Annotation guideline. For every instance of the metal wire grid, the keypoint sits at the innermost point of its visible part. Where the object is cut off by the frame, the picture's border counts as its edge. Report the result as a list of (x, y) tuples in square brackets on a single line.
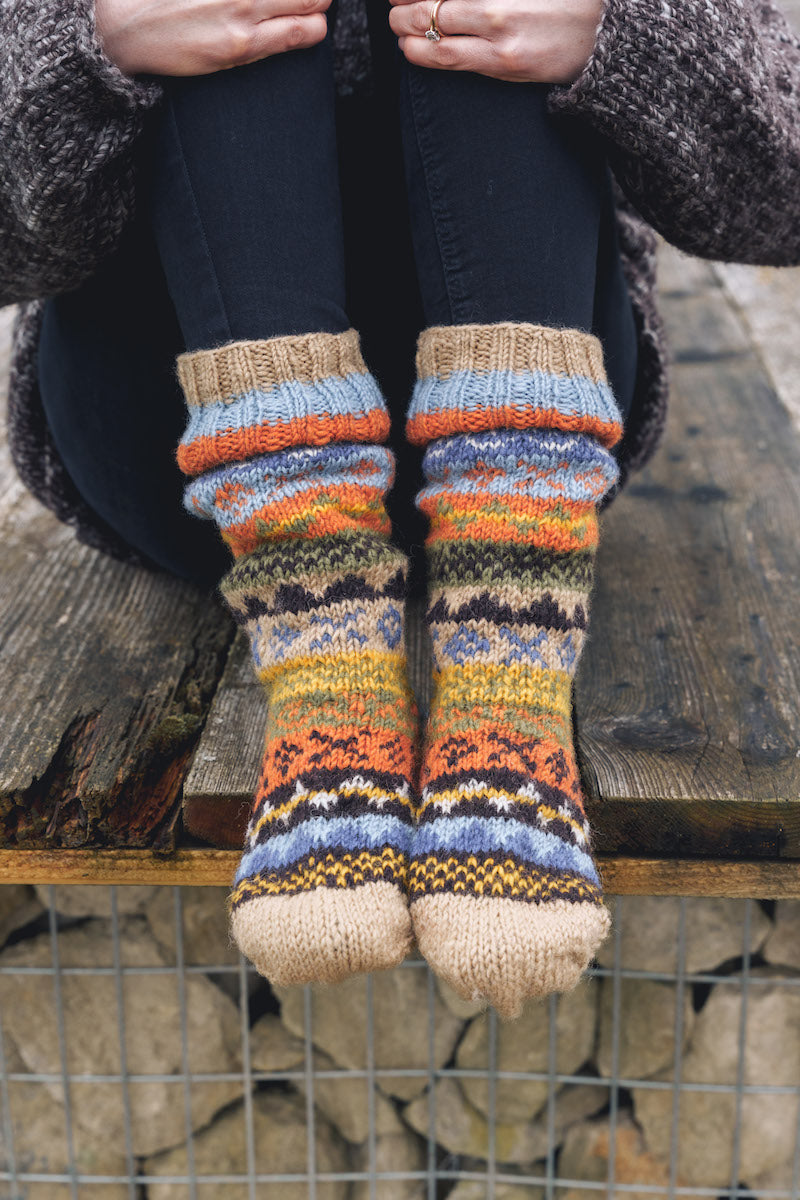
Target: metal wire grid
[(442, 1171)]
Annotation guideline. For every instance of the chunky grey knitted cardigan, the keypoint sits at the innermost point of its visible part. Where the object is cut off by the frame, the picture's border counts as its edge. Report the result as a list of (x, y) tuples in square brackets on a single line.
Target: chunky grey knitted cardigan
[(699, 101)]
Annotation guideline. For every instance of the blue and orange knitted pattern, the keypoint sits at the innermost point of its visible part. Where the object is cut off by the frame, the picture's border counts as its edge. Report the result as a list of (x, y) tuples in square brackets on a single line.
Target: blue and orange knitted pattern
[(519, 420), (281, 442)]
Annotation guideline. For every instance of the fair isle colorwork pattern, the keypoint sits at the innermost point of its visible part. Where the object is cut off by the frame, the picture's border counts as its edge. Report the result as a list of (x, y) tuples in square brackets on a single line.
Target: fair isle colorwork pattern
[(500, 785), (306, 492), (333, 806), (513, 534), (281, 443)]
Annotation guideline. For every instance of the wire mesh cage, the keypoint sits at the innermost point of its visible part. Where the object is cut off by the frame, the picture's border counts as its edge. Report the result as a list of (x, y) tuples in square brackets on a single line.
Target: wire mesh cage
[(140, 1057)]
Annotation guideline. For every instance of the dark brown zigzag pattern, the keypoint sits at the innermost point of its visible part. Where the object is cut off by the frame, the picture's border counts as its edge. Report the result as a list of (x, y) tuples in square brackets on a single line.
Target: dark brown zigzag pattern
[(355, 804), (544, 612), (521, 815), (342, 553), (506, 781), (295, 598), (324, 869)]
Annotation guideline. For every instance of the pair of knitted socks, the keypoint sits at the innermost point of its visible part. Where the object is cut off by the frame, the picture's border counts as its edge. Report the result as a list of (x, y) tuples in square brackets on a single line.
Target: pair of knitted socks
[(489, 864)]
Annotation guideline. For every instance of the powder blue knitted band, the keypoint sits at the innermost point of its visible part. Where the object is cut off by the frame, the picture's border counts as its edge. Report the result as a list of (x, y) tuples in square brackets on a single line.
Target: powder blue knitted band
[(574, 397), (541, 465), (236, 491), (356, 395)]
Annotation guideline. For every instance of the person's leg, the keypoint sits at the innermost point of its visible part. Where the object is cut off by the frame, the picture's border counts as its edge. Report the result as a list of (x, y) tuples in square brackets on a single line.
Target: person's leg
[(106, 372), (282, 449), (512, 213), (383, 298), (245, 201), (517, 266)]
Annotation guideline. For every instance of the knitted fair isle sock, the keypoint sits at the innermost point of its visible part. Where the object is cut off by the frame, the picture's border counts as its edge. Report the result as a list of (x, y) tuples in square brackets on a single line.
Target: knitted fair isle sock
[(281, 442), (505, 898)]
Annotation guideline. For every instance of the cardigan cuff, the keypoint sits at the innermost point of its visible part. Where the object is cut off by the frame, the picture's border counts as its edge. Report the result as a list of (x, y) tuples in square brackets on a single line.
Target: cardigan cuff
[(133, 92), (621, 62), (699, 106)]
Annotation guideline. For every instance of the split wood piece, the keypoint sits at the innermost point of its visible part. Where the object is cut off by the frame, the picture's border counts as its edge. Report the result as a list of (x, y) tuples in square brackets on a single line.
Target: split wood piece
[(106, 674), (215, 868), (219, 788)]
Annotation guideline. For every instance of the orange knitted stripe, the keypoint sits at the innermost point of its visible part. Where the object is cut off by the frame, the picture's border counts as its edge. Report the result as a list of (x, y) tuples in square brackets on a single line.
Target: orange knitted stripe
[(426, 426), (235, 445), (549, 534), (482, 745), (315, 513)]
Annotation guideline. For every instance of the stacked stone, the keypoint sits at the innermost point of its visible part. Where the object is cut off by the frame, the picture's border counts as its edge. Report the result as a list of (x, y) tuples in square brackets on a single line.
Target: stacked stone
[(592, 1042)]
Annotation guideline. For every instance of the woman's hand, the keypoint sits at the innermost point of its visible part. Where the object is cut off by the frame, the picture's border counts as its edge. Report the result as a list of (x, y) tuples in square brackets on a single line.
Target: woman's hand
[(522, 41), (196, 37)]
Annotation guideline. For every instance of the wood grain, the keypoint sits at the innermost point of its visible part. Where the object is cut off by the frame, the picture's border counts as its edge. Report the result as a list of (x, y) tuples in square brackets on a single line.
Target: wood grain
[(106, 674), (215, 868), (688, 698), (218, 792)]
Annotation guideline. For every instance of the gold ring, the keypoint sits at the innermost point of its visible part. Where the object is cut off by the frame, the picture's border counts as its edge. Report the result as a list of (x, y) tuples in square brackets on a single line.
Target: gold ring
[(433, 33)]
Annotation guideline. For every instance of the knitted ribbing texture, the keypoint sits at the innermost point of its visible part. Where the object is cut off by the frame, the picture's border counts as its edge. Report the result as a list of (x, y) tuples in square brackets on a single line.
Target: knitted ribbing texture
[(505, 896), (281, 442)]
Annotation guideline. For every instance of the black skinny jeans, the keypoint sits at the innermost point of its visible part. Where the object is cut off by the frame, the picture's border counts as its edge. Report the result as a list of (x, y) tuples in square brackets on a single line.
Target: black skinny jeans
[(273, 214)]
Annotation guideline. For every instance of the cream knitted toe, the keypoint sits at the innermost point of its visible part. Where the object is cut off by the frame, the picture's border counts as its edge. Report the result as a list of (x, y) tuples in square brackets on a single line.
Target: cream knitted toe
[(326, 935), (506, 952)]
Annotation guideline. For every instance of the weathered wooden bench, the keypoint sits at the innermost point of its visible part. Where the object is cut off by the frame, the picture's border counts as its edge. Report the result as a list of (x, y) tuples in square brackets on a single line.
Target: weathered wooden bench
[(131, 726)]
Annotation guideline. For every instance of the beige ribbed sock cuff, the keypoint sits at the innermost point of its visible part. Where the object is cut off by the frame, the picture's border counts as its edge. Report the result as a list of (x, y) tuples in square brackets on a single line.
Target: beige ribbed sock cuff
[(231, 371), (444, 350)]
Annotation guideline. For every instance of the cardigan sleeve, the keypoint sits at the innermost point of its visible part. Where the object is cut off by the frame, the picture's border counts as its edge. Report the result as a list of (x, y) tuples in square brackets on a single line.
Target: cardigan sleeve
[(69, 119), (699, 101)]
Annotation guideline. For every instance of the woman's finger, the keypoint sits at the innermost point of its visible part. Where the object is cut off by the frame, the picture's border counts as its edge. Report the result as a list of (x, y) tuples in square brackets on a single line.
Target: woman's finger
[(523, 41), (455, 54), (289, 8), (279, 34), (455, 17)]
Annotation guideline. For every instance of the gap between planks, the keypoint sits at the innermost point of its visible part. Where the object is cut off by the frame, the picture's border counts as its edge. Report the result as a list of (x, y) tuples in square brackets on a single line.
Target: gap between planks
[(764, 880)]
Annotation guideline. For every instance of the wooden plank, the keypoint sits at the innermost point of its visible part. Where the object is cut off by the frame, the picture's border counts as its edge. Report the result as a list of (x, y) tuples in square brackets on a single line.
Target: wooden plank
[(688, 698), (106, 674), (218, 792), (195, 868), (682, 275), (739, 880), (767, 299), (215, 868)]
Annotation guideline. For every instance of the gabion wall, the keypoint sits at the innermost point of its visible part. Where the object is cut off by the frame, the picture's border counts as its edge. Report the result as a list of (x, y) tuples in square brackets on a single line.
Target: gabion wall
[(143, 1060)]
